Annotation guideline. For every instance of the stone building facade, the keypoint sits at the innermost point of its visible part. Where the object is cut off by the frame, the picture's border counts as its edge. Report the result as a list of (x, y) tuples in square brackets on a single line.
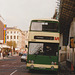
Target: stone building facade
[(14, 34)]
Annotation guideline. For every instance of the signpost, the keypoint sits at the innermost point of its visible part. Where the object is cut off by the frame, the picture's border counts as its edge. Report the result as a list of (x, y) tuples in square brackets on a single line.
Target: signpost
[(12, 51), (72, 45)]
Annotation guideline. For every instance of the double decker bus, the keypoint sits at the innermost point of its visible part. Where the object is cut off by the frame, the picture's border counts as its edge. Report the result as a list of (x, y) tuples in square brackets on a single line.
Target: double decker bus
[(43, 45)]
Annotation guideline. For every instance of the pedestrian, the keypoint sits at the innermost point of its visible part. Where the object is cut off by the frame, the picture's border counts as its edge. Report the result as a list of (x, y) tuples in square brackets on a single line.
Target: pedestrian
[(3, 55), (8, 54)]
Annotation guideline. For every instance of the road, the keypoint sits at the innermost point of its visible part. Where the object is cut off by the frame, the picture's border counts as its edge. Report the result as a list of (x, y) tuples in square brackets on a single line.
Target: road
[(14, 66)]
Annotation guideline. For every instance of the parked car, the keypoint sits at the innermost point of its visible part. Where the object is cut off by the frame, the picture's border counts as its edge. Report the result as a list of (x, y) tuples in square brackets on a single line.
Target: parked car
[(20, 54), (24, 58)]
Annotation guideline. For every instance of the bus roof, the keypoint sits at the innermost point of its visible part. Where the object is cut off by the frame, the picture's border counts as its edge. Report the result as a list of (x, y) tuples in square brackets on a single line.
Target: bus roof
[(45, 20)]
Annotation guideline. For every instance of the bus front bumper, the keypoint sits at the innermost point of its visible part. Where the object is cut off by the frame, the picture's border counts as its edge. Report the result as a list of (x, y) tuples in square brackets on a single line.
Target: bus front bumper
[(42, 67)]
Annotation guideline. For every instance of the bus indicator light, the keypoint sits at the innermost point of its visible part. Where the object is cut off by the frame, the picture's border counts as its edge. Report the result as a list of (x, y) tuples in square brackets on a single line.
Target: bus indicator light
[(55, 63), (29, 61)]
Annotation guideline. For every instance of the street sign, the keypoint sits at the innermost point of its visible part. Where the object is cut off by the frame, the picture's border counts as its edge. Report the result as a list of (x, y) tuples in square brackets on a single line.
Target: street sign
[(71, 42), (1, 41)]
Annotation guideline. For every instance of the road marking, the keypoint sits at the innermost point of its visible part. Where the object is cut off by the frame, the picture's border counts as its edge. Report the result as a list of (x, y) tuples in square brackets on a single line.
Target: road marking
[(13, 72)]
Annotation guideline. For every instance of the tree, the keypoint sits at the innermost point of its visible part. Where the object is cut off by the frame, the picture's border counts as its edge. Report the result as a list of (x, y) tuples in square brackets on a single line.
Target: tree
[(12, 43)]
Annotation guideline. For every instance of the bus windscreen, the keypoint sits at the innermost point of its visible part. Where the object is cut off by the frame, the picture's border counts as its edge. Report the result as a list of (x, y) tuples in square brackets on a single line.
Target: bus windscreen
[(44, 26), (48, 49)]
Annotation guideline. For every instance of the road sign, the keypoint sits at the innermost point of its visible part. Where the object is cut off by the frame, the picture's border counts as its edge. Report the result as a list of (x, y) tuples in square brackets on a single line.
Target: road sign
[(71, 42)]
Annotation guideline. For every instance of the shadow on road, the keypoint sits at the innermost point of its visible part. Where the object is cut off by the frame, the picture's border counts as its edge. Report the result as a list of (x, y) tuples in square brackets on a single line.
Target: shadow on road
[(42, 72)]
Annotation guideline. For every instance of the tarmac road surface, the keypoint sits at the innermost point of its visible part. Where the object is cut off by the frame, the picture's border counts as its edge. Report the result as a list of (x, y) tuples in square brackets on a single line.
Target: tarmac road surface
[(14, 66)]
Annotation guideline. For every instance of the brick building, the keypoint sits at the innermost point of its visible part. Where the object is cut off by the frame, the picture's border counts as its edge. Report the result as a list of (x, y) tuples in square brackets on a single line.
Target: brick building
[(1, 30)]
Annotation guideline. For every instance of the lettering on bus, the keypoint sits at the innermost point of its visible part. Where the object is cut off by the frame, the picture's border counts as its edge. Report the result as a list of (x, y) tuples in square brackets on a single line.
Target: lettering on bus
[(56, 38), (44, 37)]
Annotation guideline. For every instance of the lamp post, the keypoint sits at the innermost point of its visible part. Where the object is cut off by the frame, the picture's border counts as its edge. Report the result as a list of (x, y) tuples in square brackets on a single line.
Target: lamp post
[(12, 51), (1, 51)]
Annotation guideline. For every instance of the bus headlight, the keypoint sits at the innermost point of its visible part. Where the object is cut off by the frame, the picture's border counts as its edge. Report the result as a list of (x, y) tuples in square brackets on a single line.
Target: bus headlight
[(29, 61), (32, 62), (52, 63)]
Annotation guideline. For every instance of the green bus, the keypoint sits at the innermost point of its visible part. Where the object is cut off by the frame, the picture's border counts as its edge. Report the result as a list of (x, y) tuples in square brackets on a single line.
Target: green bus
[(43, 45)]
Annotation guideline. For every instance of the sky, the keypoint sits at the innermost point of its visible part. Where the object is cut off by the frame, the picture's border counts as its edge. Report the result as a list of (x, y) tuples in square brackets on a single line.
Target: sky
[(19, 13)]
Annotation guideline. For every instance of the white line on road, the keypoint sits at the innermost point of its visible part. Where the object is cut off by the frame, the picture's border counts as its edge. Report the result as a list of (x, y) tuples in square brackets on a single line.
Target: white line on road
[(13, 72)]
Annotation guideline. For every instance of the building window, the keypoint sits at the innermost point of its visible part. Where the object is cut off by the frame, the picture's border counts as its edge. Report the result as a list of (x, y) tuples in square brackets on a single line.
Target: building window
[(7, 32), (14, 31), (17, 37), (10, 37), (11, 32), (14, 37), (7, 37)]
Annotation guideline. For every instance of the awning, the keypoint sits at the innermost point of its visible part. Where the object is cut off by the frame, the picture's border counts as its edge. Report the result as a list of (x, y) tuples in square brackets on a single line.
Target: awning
[(4, 46)]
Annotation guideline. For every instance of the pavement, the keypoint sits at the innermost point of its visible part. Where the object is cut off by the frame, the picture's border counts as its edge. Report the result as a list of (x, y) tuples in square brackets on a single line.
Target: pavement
[(8, 57), (65, 68)]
